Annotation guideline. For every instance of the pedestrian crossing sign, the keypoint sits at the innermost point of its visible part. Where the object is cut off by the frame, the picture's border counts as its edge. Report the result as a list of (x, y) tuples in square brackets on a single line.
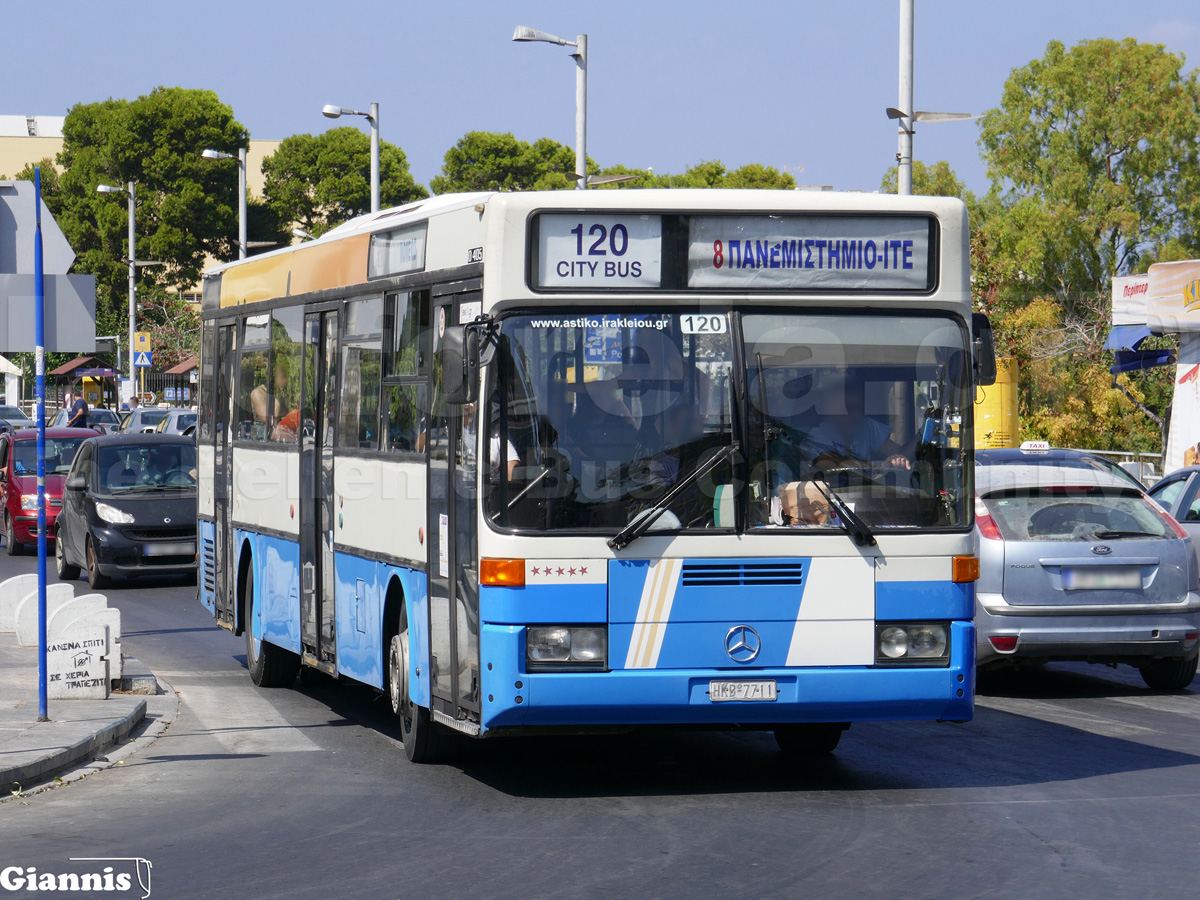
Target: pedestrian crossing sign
[(142, 360)]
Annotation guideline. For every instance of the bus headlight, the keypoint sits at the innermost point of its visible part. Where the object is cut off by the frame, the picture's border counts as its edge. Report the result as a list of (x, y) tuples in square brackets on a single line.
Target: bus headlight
[(566, 647), (912, 644)]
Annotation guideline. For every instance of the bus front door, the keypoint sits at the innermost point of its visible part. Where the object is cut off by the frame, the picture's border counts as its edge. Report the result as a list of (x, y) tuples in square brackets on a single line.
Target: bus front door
[(223, 417), (318, 636), (453, 546)]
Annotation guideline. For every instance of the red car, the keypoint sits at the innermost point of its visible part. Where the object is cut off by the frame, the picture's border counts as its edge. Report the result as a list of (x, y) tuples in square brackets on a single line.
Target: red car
[(18, 481)]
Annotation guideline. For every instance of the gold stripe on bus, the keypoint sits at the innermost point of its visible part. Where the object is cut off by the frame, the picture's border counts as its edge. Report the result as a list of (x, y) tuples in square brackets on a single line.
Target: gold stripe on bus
[(309, 267)]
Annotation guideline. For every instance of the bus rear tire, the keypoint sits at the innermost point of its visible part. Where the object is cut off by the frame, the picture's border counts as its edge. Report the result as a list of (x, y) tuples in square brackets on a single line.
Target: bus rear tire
[(810, 740), (269, 665), (424, 740)]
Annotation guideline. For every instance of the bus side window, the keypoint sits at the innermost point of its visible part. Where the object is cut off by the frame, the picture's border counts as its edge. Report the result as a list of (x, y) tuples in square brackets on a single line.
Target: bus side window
[(362, 363), (404, 425)]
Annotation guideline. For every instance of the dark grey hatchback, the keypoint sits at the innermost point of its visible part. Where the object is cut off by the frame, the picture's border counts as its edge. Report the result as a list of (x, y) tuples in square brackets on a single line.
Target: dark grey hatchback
[(129, 508)]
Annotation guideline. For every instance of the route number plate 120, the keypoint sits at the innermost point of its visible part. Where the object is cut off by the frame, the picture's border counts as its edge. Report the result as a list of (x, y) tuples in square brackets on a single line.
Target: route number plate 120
[(724, 691)]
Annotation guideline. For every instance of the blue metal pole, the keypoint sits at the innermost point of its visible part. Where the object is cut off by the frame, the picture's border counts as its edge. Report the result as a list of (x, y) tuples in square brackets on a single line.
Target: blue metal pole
[(39, 290)]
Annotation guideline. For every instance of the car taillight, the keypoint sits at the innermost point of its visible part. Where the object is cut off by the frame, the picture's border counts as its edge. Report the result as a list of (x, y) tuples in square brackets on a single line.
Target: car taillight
[(987, 525), (1004, 643), (1170, 520)]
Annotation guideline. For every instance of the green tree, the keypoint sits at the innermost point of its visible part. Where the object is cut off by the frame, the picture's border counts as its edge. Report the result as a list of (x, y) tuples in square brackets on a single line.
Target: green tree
[(938, 180), (320, 181), (186, 206), (491, 161), (1094, 150), (707, 174)]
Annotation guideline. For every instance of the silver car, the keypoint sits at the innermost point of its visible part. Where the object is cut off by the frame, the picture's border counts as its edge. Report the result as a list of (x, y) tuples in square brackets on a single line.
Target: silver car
[(1079, 564)]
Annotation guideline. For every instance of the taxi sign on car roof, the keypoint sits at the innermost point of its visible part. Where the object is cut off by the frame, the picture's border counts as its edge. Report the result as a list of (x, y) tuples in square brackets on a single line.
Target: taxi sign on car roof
[(1035, 446)]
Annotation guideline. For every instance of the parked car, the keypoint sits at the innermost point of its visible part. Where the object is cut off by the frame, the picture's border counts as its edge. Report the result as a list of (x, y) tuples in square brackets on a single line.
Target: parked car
[(99, 419), (18, 481), (129, 508), (13, 418), (177, 421), (142, 420), (1179, 494), (1077, 563)]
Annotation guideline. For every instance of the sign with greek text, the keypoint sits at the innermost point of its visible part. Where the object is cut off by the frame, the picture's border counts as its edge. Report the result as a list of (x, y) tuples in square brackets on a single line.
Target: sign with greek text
[(590, 251), (859, 253)]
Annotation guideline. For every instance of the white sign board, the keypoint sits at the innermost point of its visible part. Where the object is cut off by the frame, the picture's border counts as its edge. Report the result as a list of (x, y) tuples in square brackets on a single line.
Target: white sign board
[(863, 253), (1129, 294), (398, 251), (1173, 297), (591, 251)]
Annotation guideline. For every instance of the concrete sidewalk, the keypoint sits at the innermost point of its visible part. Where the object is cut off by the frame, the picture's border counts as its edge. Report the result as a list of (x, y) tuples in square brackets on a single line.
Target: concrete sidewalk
[(31, 751)]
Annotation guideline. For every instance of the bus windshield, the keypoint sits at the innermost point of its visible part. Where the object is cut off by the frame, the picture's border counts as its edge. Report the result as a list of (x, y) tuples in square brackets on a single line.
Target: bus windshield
[(597, 418)]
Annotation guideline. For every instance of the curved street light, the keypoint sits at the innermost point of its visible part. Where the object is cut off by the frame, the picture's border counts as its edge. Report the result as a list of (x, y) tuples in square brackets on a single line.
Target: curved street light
[(331, 111)]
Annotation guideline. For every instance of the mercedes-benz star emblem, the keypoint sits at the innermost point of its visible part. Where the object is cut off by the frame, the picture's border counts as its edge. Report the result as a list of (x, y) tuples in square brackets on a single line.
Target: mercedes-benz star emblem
[(1102, 549), (742, 643)]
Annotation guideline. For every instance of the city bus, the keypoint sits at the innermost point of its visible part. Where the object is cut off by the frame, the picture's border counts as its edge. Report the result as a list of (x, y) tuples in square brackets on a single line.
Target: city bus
[(572, 462)]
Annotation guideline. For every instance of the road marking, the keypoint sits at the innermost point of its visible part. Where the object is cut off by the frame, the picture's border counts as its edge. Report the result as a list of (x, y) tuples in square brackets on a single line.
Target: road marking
[(1060, 715), (243, 721), (1188, 706)]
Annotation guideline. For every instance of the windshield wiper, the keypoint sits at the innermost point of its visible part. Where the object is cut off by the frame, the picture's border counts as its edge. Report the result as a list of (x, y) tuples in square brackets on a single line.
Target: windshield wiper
[(641, 524), (855, 527), (1108, 534)]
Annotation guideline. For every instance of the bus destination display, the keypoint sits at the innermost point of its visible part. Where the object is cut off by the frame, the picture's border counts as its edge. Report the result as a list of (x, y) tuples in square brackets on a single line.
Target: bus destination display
[(583, 250), (809, 253)]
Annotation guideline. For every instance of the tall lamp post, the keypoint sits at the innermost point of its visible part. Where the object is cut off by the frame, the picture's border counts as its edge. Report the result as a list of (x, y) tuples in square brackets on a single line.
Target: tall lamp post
[(132, 192), (336, 112), (241, 163), (580, 43)]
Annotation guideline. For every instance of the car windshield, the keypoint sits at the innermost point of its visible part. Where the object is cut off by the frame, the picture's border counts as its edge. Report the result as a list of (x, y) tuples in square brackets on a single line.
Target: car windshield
[(126, 468), (13, 412), (60, 453), (1074, 514), (102, 417), (596, 418)]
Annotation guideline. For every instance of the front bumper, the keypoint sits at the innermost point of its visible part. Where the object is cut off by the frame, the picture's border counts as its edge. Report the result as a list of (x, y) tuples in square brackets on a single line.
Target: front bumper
[(26, 526), (119, 554), (1111, 635), (515, 698)]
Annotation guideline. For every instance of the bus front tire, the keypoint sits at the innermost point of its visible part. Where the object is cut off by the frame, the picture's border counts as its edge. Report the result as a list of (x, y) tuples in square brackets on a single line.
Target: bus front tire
[(810, 740), (424, 740), (269, 665)]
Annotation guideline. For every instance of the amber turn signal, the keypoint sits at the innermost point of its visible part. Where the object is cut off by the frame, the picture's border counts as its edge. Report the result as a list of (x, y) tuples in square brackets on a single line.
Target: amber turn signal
[(502, 572), (965, 569)]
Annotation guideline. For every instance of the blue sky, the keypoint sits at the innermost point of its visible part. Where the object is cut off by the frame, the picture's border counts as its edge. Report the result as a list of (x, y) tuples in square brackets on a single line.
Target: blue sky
[(801, 85)]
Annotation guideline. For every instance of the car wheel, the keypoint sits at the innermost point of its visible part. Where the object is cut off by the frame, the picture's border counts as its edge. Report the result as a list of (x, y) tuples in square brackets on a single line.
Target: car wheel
[(269, 665), (817, 739), (96, 580), (10, 537), (66, 571), (425, 741), (1170, 674)]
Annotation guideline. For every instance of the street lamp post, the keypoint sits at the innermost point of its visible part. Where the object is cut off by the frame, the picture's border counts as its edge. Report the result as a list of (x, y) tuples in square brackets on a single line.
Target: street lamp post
[(131, 190), (241, 162), (523, 33), (335, 112)]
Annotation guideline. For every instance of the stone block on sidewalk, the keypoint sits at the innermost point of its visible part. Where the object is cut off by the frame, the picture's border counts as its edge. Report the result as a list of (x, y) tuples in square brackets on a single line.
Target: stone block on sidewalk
[(76, 665), (12, 592), (27, 610)]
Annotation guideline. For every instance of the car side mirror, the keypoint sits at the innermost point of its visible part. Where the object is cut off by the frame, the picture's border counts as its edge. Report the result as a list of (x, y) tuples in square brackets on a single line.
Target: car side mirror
[(460, 364), (76, 483), (983, 349)]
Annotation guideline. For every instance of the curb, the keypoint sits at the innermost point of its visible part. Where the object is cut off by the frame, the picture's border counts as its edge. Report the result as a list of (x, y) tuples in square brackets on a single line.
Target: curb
[(44, 768)]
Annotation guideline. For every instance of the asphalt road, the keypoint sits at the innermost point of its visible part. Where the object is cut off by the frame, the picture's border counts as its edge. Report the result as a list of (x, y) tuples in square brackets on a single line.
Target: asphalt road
[(1072, 781)]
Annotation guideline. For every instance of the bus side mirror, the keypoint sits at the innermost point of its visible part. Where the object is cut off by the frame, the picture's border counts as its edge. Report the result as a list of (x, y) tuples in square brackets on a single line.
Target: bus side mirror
[(983, 349), (460, 364)]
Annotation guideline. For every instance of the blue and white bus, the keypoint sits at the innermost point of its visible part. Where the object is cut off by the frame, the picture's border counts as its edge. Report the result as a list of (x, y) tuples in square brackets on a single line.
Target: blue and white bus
[(547, 461)]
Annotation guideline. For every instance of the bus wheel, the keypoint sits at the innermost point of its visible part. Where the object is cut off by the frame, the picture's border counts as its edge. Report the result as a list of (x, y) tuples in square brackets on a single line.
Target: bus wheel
[(424, 739), (269, 666), (819, 739)]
